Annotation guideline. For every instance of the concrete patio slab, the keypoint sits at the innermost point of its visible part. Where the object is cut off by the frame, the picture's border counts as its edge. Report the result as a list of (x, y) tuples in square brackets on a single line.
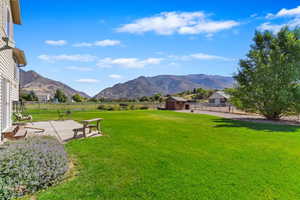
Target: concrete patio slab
[(62, 130)]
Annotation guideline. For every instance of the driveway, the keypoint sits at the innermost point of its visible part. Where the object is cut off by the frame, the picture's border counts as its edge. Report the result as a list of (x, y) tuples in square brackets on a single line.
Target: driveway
[(249, 117)]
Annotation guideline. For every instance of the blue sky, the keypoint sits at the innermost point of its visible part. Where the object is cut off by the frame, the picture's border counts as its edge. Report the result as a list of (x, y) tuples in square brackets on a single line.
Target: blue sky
[(94, 44)]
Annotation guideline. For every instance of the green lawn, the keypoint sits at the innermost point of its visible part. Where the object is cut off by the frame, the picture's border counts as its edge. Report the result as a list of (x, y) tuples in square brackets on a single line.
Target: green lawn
[(167, 155)]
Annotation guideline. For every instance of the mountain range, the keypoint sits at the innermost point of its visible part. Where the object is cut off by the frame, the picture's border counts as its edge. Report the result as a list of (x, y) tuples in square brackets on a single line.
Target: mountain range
[(32, 81), (136, 88), (164, 84)]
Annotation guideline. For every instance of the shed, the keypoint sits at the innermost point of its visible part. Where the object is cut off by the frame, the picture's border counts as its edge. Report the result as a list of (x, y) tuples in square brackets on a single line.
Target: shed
[(176, 103), (218, 98)]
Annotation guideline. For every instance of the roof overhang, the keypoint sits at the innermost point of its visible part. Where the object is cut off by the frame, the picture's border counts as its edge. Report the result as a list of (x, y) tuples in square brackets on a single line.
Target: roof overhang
[(20, 57), (178, 99), (16, 11)]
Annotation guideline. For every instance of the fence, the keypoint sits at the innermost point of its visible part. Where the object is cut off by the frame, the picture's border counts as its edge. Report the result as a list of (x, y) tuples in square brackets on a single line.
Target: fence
[(208, 107), (86, 105)]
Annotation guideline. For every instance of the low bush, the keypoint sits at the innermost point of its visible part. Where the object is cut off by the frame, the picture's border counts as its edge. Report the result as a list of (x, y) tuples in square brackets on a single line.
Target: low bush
[(31, 164), (144, 107), (101, 107), (132, 107), (110, 108)]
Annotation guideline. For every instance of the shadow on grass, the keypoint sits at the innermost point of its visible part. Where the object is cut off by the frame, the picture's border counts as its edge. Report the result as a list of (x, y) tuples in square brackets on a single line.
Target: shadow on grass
[(259, 126)]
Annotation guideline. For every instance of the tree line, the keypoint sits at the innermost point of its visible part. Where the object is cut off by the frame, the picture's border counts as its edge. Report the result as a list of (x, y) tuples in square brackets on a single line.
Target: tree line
[(59, 96)]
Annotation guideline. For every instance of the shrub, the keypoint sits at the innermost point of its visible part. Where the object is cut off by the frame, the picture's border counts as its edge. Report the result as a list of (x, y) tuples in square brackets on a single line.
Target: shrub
[(132, 107), (31, 164), (111, 108), (101, 107), (144, 107)]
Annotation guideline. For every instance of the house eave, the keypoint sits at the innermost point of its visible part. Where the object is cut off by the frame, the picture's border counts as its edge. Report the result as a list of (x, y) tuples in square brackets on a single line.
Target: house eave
[(20, 57), (16, 11)]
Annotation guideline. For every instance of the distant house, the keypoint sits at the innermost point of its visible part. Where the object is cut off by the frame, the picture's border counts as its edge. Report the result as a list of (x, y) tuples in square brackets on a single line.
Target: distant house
[(43, 97), (218, 98), (11, 59), (176, 103)]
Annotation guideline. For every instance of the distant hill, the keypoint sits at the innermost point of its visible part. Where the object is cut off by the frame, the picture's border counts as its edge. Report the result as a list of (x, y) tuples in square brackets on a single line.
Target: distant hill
[(164, 84), (32, 81)]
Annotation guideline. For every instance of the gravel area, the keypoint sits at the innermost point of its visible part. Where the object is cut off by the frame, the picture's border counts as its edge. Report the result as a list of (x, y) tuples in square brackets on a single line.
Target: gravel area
[(293, 120)]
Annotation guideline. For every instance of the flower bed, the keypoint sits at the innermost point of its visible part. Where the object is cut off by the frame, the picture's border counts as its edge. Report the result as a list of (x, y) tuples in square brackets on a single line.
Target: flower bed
[(29, 165)]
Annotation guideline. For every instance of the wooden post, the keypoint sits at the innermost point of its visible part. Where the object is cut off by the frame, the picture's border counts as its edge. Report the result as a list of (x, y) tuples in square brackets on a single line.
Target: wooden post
[(98, 127), (84, 127)]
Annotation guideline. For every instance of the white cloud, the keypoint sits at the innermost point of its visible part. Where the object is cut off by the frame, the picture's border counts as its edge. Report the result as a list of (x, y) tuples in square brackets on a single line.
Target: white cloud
[(285, 13), (200, 56), (276, 27), (174, 64), (115, 76), (101, 43), (82, 69), (254, 15), (56, 42), (270, 27), (293, 22), (207, 27), (128, 62), (83, 44), (105, 43), (87, 80), (270, 16), (167, 23), (68, 57)]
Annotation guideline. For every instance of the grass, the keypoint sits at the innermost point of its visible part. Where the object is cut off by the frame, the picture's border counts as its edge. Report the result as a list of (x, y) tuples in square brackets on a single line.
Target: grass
[(167, 155)]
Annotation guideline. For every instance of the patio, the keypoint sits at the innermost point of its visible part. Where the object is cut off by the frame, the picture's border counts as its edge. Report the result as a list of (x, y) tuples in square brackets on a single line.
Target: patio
[(62, 130)]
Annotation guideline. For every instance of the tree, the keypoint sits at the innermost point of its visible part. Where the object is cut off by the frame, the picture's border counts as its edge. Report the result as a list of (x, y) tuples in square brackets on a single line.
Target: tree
[(157, 97), (200, 93), (60, 96), (31, 96), (267, 81), (144, 98), (77, 98), (95, 100)]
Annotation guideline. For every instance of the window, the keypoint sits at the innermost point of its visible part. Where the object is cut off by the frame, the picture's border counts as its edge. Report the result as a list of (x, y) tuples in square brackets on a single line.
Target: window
[(223, 100)]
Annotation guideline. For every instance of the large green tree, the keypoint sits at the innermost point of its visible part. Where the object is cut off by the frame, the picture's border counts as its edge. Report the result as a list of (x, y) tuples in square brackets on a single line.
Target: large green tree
[(77, 98), (268, 78), (31, 96), (60, 96)]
